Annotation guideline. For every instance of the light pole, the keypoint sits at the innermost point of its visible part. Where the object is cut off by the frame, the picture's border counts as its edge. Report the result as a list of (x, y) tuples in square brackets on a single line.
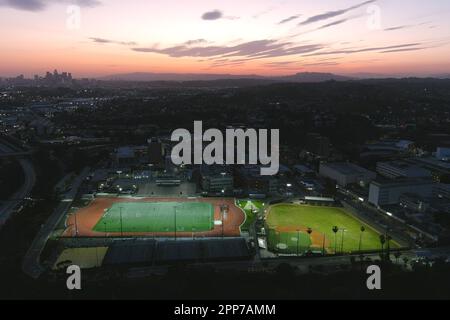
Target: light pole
[(323, 245), (335, 230), (121, 222), (76, 225), (175, 221), (342, 240), (278, 239), (309, 230), (382, 241), (388, 247), (106, 235), (222, 210), (360, 238)]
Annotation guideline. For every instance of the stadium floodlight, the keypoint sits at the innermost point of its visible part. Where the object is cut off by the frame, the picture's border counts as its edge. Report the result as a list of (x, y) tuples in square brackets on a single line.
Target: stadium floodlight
[(342, 240), (289, 185)]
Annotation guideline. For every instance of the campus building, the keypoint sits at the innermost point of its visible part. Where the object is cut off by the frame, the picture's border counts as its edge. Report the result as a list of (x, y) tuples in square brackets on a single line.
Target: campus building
[(414, 202), (345, 173), (249, 177), (125, 156), (216, 179), (155, 152), (401, 169), (443, 154), (389, 193)]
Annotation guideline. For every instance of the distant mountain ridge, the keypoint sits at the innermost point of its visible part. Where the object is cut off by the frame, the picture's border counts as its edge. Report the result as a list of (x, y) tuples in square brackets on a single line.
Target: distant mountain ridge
[(181, 77)]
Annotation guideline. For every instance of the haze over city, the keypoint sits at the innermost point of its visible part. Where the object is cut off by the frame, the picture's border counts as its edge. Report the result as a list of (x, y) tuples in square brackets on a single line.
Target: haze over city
[(233, 37)]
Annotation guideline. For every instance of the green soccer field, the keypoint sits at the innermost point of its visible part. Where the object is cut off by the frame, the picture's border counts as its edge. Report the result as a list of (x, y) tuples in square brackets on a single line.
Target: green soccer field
[(157, 217), (283, 219)]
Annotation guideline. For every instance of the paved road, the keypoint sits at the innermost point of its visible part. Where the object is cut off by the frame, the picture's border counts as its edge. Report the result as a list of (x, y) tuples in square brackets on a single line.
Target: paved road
[(329, 264), (31, 263), (15, 154), (7, 209)]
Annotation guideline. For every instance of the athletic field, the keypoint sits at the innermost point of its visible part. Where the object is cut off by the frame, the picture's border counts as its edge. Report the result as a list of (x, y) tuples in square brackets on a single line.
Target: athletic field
[(288, 226), (157, 217)]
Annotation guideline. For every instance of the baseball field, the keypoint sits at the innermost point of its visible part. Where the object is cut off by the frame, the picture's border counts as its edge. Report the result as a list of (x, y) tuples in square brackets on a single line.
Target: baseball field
[(296, 229)]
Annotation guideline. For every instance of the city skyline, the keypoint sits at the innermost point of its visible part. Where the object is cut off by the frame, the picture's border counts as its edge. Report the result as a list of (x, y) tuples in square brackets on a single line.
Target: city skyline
[(97, 38)]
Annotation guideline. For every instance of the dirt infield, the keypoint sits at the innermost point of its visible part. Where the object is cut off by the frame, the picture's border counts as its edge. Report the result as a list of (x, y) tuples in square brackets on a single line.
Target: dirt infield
[(86, 218), (317, 238)]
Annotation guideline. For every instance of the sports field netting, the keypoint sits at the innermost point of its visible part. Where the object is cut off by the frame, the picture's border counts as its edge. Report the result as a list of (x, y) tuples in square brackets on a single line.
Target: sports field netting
[(289, 242), (157, 217)]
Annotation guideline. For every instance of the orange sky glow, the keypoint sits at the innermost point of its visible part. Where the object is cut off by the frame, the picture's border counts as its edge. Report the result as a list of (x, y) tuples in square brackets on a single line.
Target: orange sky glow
[(268, 37)]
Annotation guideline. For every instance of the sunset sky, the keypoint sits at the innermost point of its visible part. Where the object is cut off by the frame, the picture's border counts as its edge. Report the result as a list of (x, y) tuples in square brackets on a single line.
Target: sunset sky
[(266, 37)]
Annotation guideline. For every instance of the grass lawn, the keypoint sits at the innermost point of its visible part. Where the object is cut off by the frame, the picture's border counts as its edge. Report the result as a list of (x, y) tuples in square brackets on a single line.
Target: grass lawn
[(248, 206), (157, 217), (290, 217)]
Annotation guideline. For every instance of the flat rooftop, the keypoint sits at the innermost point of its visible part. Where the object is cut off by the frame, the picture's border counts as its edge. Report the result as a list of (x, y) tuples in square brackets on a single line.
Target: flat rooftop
[(347, 168)]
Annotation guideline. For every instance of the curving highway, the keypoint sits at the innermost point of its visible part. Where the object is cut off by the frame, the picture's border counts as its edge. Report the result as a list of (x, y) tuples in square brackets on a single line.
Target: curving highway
[(7, 208), (31, 262)]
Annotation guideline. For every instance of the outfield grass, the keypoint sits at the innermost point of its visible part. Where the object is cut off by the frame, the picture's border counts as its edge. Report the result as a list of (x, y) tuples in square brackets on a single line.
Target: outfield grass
[(247, 206), (157, 217), (321, 220)]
